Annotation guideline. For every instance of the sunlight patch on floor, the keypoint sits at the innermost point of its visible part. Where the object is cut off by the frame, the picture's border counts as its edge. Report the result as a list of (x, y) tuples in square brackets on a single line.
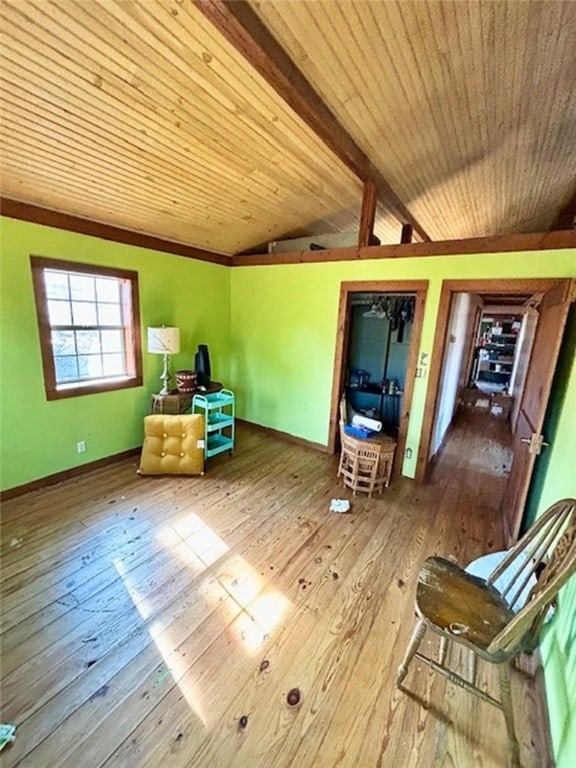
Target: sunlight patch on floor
[(176, 665), (257, 621), (193, 541), (249, 607), (260, 609), (141, 603)]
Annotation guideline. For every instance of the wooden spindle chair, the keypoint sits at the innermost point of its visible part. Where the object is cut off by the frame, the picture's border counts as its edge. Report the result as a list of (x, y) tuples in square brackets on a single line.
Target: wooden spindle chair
[(483, 614)]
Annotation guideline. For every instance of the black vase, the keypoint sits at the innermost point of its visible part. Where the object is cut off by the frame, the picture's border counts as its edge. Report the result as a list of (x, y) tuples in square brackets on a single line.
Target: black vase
[(202, 365)]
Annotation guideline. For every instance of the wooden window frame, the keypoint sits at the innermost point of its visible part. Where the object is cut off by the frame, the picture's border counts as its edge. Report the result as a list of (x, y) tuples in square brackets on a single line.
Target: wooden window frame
[(132, 334)]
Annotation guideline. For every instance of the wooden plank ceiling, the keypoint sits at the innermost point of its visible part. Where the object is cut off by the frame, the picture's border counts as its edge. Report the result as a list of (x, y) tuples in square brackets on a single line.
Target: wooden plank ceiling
[(143, 116)]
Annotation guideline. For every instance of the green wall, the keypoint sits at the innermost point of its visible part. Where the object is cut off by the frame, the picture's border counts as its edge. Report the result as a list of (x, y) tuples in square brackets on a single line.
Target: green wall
[(284, 322), (559, 481), (38, 438)]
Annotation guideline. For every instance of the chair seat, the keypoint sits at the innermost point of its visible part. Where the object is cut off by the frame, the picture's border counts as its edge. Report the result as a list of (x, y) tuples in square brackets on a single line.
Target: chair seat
[(460, 604)]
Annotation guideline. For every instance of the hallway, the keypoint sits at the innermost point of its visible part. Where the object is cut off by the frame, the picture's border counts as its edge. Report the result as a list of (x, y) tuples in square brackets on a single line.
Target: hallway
[(478, 444)]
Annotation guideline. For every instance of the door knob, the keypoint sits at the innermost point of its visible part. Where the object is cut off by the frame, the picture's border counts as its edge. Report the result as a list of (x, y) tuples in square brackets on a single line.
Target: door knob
[(535, 442)]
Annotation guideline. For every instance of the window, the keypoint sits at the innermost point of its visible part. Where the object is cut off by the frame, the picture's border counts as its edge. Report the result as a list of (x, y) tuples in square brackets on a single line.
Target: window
[(89, 326)]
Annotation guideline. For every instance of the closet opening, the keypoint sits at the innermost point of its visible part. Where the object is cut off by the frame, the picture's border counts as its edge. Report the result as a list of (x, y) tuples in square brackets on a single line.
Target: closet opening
[(379, 330), (378, 347)]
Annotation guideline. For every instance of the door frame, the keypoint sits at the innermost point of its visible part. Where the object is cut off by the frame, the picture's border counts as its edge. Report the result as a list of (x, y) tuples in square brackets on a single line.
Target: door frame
[(417, 287), (449, 288)]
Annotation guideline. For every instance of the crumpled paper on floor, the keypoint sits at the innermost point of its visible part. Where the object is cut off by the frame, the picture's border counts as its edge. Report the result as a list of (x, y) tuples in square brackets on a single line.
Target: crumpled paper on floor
[(340, 506)]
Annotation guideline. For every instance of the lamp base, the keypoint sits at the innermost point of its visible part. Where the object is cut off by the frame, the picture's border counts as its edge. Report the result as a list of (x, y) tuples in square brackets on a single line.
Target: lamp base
[(165, 377)]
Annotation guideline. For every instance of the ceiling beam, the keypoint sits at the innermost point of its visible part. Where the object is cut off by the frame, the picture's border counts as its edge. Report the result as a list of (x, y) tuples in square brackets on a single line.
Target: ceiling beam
[(532, 241), (368, 213), (15, 209), (241, 26), (406, 234), (567, 217)]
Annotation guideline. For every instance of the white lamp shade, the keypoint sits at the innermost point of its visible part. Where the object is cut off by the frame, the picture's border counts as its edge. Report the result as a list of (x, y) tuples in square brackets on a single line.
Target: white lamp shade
[(164, 341)]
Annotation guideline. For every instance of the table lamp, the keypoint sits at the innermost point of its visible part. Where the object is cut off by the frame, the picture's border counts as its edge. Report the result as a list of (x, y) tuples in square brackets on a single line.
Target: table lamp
[(164, 341)]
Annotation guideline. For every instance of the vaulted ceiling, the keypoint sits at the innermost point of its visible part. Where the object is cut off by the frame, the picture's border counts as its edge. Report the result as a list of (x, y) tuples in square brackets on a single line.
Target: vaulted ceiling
[(165, 116)]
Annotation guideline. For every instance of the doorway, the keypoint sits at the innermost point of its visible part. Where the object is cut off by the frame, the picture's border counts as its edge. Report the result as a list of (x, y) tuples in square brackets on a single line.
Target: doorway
[(533, 370), (378, 347), (485, 361), (393, 359)]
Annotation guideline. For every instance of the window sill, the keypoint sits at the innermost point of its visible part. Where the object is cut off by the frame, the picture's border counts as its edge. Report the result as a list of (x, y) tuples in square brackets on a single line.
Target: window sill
[(93, 387)]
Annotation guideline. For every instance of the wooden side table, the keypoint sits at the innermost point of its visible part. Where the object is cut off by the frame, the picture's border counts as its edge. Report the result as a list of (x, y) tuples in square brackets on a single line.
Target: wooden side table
[(180, 402), (366, 463), (174, 403)]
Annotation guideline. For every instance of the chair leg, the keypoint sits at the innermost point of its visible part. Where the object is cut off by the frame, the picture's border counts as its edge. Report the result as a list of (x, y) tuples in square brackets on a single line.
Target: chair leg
[(413, 645), (506, 698), (443, 649), (472, 666)]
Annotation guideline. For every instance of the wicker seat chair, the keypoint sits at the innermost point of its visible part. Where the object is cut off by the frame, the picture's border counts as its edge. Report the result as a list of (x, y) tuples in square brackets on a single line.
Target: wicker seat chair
[(483, 614)]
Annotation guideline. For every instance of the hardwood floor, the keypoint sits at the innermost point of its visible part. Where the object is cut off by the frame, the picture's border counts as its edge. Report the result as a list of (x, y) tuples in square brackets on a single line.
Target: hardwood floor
[(232, 620)]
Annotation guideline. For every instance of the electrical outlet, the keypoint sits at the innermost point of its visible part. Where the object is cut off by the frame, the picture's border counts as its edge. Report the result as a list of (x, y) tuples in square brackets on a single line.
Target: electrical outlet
[(81, 446)]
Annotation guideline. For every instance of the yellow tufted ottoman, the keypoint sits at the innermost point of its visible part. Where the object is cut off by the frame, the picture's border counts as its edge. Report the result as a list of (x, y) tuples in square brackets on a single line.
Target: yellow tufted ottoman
[(173, 445)]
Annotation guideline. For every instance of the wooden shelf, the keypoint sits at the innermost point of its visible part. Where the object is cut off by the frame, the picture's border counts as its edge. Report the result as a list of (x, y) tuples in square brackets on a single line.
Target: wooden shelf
[(495, 352)]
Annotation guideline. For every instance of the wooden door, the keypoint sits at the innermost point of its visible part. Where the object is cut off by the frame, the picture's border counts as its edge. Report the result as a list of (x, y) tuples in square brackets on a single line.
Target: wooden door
[(534, 399), (472, 343)]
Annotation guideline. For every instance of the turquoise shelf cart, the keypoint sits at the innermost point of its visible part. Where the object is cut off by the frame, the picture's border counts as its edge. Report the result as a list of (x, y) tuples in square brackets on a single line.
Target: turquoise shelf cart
[(219, 412)]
